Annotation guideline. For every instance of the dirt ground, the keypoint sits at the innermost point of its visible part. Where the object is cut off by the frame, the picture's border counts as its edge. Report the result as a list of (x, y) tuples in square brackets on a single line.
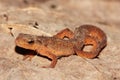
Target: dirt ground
[(47, 17)]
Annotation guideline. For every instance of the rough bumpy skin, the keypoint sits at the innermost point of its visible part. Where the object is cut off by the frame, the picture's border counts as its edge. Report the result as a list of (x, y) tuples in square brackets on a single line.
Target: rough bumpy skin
[(56, 46)]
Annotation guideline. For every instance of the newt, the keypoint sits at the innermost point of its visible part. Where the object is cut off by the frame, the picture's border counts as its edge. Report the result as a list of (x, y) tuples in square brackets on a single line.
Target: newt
[(57, 46)]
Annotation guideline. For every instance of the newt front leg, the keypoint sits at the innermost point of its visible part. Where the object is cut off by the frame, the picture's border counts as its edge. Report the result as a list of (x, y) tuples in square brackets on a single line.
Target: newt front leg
[(45, 52), (30, 56)]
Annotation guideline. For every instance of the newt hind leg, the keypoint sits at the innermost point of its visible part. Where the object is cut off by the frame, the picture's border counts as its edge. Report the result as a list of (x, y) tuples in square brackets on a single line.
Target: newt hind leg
[(44, 51), (64, 33)]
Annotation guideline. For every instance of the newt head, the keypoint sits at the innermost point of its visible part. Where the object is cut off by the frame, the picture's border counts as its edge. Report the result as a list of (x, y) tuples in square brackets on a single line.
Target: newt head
[(25, 40)]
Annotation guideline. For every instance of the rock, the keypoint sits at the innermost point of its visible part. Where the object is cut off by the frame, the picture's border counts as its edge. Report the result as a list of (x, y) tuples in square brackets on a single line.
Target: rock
[(47, 17)]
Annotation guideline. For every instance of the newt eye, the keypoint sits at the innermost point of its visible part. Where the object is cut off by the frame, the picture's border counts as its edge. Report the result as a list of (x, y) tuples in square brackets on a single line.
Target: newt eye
[(31, 41)]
